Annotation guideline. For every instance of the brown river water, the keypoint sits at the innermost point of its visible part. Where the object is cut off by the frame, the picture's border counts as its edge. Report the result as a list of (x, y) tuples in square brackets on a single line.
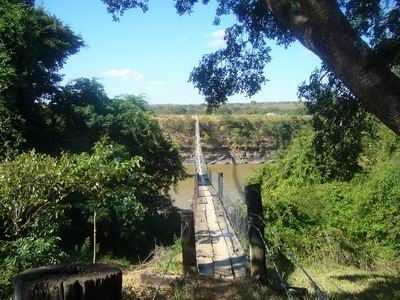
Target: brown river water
[(235, 177)]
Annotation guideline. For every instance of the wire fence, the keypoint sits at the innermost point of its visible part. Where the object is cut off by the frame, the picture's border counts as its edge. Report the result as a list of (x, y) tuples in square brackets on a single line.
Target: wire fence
[(236, 212), (318, 289)]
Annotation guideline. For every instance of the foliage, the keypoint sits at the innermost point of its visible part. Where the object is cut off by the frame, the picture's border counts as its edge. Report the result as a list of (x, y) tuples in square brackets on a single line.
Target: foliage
[(38, 196), (11, 138), (67, 150), (84, 113), (134, 128), (352, 222), (109, 177), (30, 79), (339, 124), (32, 188), (297, 164), (239, 68), (25, 253), (35, 72)]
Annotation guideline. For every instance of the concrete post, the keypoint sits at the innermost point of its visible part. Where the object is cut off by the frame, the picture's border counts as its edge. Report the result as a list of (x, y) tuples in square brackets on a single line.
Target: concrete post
[(258, 269), (188, 243), (220, 185)]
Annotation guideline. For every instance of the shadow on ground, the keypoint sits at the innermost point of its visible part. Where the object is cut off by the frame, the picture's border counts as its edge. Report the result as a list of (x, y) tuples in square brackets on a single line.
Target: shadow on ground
[(206, 289), (380, 287)]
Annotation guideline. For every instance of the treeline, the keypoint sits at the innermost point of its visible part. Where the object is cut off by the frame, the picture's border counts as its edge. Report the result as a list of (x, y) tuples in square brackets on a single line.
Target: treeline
[(71, 157), (333, 196), (262, 108)]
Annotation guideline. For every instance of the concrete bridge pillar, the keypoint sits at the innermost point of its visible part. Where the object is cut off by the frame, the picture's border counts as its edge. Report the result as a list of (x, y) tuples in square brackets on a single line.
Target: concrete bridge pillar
[(258, 270), (188, 243), (220, 185)]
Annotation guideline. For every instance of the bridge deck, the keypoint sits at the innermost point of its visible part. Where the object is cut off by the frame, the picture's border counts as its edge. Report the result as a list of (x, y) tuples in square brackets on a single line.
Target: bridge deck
[(218, 250)]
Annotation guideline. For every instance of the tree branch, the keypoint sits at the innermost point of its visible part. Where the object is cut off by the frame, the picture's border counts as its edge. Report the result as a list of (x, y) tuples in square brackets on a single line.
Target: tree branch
[(321, 27)]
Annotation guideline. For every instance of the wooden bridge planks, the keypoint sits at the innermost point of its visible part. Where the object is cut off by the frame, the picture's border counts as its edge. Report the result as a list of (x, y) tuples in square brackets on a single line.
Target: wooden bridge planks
[(218, 250)]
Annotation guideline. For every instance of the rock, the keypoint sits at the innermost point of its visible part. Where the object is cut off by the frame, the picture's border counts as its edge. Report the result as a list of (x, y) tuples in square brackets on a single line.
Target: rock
[(69, 282)]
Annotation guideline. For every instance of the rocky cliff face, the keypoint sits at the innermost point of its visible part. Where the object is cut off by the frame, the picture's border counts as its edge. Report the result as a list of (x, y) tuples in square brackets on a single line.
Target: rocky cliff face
[(233, 138), (228, 155)]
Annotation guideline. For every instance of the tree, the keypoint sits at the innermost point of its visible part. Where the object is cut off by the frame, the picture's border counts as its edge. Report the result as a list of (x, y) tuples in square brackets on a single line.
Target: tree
[(358, 40), (82, 114), (339, 124), (138, 100), (30, 78), (104, 176), (32, 188), (11, 139)]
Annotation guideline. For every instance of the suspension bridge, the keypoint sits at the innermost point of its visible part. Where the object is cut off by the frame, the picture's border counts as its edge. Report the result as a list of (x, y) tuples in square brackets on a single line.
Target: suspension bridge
[(218, 250)]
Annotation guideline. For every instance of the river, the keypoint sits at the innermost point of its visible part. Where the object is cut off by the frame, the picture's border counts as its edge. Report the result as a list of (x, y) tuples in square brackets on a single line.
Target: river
[(235, 177)]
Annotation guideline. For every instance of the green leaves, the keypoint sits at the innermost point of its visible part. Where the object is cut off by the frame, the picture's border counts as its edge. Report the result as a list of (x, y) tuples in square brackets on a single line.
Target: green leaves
[(11, 138), (339, 125), (31, 187), (37, 193), (33, 48), (83, 114), (103, 175), (355, 221)]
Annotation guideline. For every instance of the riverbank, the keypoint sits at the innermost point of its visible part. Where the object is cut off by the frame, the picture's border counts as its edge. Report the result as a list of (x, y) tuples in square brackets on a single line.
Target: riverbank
[(230, 139), (216, 159)]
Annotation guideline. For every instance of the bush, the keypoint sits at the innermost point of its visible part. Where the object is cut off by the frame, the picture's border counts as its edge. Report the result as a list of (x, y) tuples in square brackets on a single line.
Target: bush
[(44, 199), (33, 189), (25, 253), (11, 139), (352, 221)]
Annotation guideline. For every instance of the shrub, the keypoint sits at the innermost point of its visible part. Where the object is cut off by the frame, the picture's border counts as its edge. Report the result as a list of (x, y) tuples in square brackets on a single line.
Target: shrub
[(33, 188), (355, 221)]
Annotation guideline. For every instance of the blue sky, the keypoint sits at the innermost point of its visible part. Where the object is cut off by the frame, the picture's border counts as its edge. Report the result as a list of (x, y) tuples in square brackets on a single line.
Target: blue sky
[(154, 53)]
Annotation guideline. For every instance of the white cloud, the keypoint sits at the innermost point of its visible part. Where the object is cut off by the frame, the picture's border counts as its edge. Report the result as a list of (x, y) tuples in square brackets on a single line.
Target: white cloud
[(123, 74), (217, 39)]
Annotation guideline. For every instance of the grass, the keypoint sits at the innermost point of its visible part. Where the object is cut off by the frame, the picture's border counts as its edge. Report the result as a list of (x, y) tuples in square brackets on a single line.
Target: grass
[(338, 281), (162, 261), (169, 260), (349, 282)]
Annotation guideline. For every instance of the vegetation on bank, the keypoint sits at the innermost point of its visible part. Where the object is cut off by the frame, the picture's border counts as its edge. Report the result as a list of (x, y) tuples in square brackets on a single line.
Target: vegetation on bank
[(233, 131), (334, 193), (351, 221)]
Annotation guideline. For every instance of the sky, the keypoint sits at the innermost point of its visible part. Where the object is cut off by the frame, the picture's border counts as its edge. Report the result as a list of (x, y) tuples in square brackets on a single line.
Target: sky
[(153, 53)]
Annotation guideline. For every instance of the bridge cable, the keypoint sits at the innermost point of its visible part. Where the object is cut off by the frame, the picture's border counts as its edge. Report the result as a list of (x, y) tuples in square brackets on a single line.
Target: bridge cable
[(321, 294), (281, 280)]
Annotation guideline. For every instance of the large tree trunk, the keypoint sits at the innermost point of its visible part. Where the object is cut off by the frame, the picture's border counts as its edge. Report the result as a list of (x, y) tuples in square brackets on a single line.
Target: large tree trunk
[(321, 27)]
